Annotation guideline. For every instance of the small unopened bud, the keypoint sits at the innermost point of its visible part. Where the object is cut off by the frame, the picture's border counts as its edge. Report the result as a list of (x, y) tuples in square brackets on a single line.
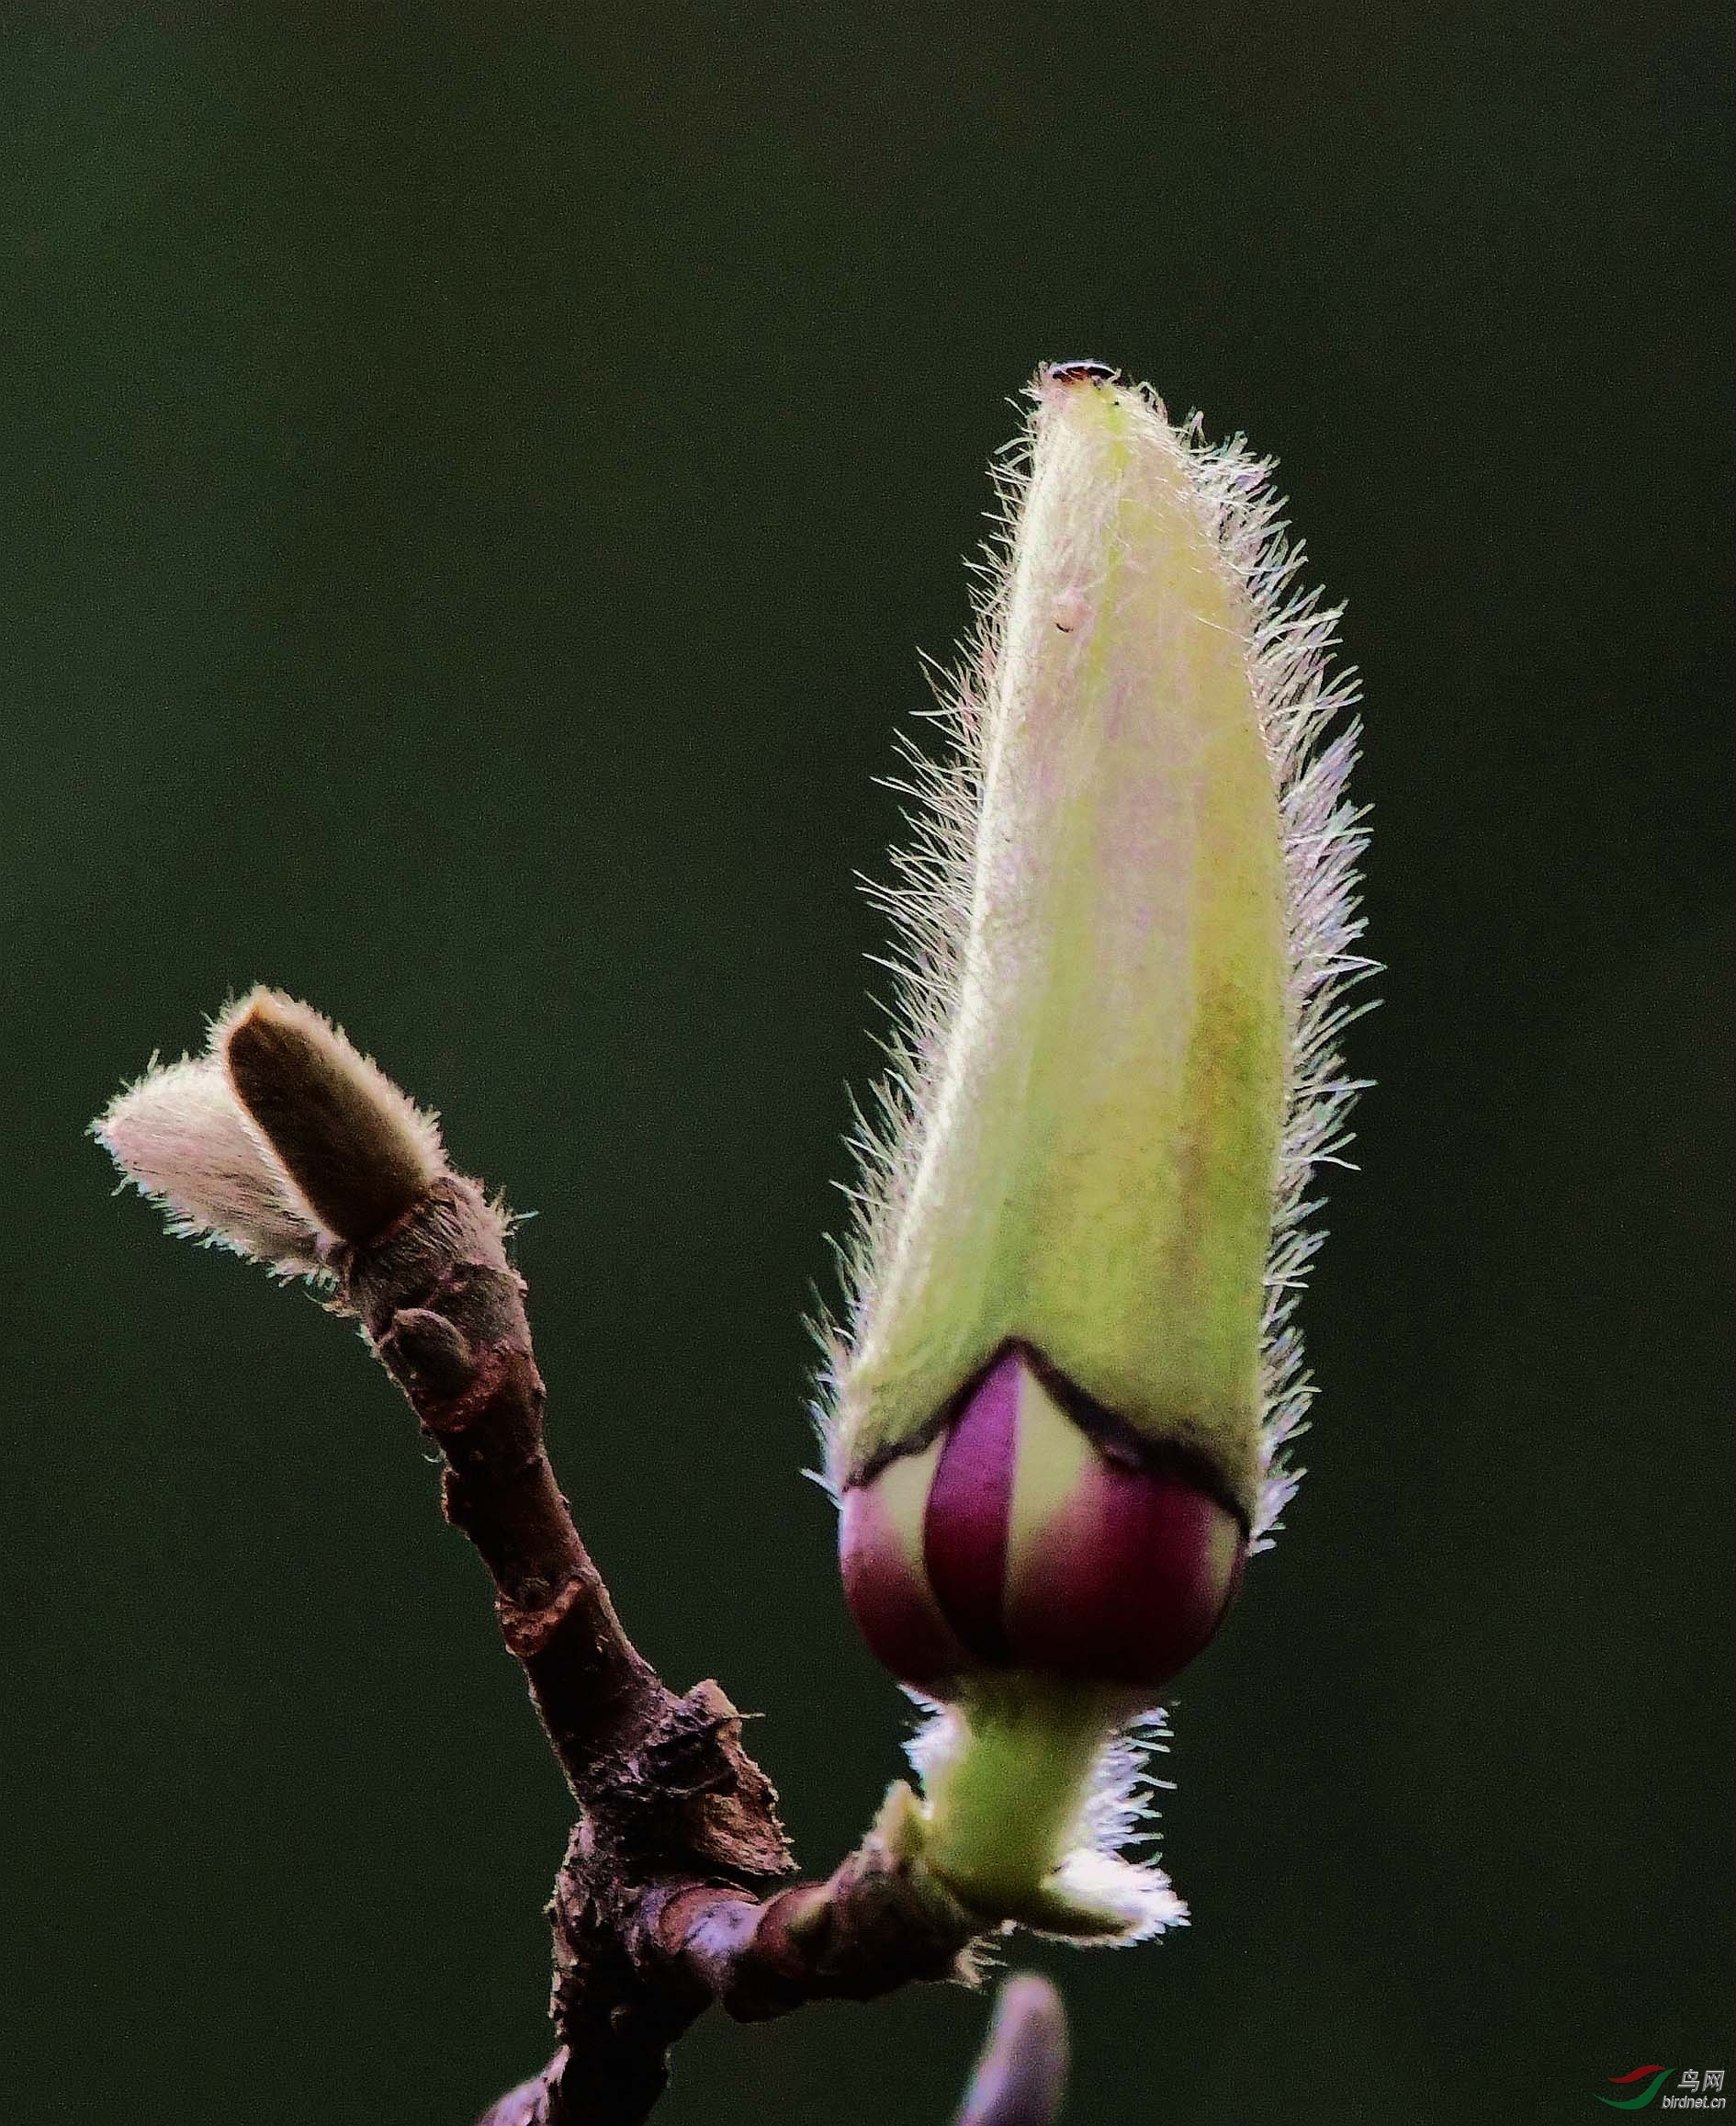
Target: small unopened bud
[(1021, 2076), (359, 1151), (280, 1142)]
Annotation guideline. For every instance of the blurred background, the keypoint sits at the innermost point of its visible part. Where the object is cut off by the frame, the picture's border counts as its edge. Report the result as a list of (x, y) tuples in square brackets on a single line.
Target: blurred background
[(476, 483)]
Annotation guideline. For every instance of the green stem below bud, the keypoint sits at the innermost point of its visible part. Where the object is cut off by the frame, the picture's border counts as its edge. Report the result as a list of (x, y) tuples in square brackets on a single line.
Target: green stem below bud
[(1003, 1813)]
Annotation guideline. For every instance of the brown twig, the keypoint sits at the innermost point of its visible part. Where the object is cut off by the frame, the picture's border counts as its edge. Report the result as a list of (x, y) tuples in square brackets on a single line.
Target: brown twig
[(673, 1895)]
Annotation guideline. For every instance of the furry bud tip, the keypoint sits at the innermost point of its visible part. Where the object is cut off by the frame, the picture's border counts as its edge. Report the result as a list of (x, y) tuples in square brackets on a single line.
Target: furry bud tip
[(282, 1141), (358, 1150), (180, 1136)]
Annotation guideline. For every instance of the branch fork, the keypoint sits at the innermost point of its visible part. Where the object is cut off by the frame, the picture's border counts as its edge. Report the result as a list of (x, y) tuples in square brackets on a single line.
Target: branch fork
[(675, 1892)]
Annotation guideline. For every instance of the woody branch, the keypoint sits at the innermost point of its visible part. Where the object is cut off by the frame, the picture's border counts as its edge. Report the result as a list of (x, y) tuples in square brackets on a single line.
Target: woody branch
[(675, 1894)]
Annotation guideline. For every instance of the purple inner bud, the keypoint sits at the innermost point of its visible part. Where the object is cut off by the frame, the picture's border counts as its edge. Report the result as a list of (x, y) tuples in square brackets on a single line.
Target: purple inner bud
[(1013, 1541), (970, 1505), (1128, 1580), (888, 1597)]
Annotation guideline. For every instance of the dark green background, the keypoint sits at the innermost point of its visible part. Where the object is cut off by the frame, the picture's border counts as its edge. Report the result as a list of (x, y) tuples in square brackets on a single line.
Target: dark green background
[(476, 478)]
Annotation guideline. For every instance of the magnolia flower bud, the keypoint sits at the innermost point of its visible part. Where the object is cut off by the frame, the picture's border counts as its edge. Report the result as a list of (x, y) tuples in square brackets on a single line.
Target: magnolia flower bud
[(358, 1150), (282, 1141), (1067, 1369)]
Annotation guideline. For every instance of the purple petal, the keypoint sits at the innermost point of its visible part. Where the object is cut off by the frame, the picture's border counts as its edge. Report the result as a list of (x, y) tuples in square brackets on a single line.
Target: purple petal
[(965, 1535), (1128, 1580), (892, 1604)]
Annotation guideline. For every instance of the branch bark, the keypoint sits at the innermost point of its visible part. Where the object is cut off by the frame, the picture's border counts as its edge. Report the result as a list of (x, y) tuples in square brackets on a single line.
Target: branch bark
[(674, 1895)]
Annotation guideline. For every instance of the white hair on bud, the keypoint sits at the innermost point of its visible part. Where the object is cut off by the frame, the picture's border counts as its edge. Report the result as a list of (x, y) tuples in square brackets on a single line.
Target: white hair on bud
[(1291, 637), (1289, 641), (1137, 1894), (181, 1137), (1118, 1812), (1299, 698)]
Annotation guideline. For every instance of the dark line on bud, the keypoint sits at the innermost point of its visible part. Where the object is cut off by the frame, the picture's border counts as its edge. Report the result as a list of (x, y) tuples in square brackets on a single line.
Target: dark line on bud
[(1080, 372), (1115, 1438)]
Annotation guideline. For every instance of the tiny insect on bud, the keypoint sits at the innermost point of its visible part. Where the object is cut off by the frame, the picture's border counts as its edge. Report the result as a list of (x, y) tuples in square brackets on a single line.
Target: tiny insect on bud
[(1081, 372)]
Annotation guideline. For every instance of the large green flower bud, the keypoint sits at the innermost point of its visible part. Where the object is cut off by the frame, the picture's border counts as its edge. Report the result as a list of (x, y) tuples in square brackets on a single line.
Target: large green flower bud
[(1048, 1432), (1096, 1177)]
